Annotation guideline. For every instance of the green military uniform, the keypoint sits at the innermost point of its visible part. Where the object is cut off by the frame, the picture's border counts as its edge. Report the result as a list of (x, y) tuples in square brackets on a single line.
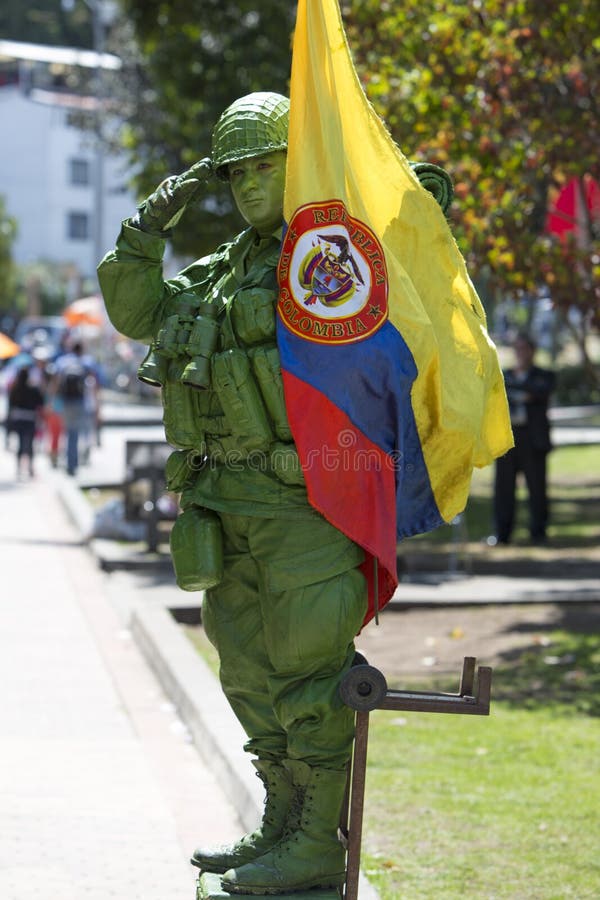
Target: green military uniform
[(291, 598)]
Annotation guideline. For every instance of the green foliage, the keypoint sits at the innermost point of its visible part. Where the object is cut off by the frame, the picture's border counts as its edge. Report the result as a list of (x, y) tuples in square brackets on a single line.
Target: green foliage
[(505, 95), (196, 58), (573, 388), (8, 232)]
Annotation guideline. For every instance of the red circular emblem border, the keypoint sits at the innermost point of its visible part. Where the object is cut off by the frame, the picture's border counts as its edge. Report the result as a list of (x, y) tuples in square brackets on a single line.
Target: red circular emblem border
[(342, 329)]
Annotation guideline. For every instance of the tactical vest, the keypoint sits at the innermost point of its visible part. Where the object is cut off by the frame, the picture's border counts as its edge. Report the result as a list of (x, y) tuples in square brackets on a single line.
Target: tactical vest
[(216, 360)]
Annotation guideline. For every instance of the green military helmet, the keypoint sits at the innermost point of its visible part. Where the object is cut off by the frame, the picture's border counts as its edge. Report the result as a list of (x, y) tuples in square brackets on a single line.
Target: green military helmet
[(253, 125)]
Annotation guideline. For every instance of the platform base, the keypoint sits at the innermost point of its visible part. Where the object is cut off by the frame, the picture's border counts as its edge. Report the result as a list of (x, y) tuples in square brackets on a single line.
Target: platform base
[(209, 888)]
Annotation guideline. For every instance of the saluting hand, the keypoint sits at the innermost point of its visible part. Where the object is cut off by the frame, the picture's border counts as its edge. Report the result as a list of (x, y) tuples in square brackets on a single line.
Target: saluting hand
[(163, 209)]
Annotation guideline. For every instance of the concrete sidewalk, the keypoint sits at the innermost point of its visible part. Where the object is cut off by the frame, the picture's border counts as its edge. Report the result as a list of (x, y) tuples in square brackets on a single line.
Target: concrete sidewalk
[(102, 793)]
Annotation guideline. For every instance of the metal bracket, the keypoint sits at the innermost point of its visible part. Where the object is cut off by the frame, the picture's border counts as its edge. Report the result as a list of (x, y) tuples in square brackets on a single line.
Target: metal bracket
[(364, 688)]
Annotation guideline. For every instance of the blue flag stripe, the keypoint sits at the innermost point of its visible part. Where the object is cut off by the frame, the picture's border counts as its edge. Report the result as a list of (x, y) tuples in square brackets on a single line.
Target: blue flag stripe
[(370, 381)]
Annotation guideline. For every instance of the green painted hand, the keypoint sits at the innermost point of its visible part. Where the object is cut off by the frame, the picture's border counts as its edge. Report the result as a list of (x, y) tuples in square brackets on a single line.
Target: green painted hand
[(162, 210)]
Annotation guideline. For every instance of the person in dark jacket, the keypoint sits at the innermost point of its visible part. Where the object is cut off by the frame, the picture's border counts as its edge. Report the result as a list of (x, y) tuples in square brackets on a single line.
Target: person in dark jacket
[(528, 388), (25, 402)]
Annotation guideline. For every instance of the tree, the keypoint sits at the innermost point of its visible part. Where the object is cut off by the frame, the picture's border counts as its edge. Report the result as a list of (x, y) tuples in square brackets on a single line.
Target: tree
[(184, 64), (42, 287), (8, 233), (505, 95)]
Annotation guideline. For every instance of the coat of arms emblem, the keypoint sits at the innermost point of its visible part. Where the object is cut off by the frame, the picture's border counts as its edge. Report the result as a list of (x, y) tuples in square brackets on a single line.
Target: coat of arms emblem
[(332, 275)]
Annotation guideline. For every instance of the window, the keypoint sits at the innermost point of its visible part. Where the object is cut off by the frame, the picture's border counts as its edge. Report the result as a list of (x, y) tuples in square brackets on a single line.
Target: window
[(79, 171), (78, 226)]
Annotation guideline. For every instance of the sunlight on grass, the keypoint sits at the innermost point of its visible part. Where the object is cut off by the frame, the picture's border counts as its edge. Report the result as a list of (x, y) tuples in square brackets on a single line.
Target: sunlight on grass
[(501, 808)]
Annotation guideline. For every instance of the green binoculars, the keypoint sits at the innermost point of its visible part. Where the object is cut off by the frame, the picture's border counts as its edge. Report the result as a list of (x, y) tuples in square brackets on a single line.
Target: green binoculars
[(191, 336), (153, 369)]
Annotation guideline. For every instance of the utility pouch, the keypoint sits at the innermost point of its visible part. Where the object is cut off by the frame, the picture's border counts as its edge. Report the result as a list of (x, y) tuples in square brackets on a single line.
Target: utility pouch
[(181, 414), (180, 468), (197, 549), (285, 462), (267, 370), (238, 393), (201, 345), (253, 315)]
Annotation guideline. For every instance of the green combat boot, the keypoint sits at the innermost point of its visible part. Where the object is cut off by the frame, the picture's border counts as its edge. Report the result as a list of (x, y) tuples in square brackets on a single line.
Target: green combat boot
[(309, 855), (279, 790)]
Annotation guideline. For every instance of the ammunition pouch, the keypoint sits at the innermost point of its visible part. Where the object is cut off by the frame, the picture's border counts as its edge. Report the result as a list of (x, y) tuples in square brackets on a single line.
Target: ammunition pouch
[(201, 344), (238, 394), (181, 410), (253, 315), (172, 338), (265, 365)]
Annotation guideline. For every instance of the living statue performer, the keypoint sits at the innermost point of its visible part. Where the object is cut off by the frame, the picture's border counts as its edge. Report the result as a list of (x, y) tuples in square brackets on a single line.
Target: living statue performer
[(284, 595)]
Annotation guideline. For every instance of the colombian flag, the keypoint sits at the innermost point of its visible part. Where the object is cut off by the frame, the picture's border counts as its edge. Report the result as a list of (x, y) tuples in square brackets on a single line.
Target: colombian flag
[(392, 385)]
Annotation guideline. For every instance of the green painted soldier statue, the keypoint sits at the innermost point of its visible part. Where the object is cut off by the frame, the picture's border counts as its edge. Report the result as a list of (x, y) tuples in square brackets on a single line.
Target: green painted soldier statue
[(284, 594)]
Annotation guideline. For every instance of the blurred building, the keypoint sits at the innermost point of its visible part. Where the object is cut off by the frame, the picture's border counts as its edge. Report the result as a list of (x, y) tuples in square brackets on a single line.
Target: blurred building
[(66, 193)]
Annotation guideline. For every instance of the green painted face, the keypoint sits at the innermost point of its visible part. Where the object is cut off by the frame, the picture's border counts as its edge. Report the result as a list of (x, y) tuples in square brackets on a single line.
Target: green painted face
[(257, 186)]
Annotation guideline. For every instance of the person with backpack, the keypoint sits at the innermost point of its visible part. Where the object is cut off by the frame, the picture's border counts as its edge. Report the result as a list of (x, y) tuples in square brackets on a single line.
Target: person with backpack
[(25, 402), (74, 374)]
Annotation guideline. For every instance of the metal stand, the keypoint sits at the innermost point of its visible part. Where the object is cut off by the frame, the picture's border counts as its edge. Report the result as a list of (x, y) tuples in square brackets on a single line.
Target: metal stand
[(364, 688)]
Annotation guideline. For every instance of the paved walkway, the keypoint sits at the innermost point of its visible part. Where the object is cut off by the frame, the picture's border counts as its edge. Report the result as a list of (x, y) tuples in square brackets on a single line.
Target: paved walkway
[(102, 795)]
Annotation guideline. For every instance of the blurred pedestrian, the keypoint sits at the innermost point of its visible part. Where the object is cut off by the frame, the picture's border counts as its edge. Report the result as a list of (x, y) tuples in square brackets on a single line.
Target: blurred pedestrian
[(53, 415), (25, 404), (90, 436), (528, 388), (74, 378)]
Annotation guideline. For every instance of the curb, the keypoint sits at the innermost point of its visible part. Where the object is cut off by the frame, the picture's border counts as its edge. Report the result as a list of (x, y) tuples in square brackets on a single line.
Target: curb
[(194, 690), (75, 503)]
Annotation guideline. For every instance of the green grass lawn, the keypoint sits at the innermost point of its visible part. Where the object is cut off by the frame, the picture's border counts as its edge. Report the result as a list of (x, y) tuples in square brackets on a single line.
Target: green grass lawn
[(505, 807), (463, 807), (500, 807)]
